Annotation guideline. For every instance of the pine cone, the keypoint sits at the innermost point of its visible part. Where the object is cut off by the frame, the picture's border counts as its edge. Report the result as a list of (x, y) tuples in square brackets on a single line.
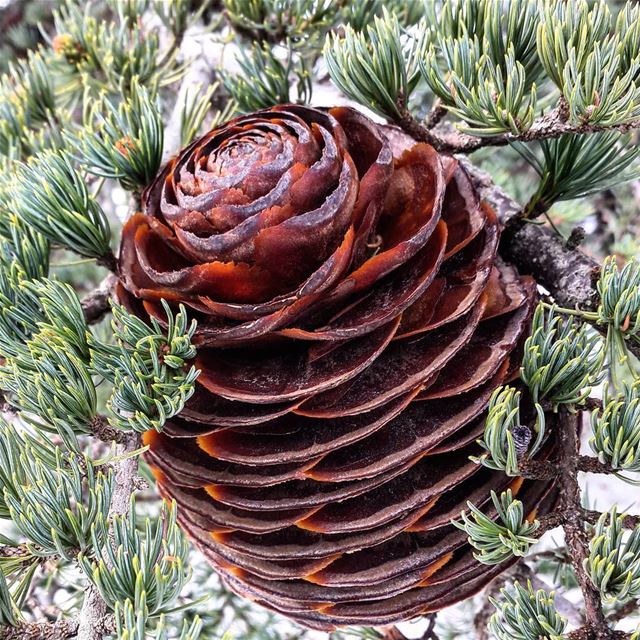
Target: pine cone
[(353, 321)]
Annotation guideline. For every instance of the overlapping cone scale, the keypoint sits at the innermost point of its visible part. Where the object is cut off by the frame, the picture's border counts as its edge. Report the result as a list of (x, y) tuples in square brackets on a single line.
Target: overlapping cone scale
[(353, 320)]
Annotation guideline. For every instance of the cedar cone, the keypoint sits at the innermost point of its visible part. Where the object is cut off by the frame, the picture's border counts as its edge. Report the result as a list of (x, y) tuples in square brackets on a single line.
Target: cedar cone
[(353, 321)]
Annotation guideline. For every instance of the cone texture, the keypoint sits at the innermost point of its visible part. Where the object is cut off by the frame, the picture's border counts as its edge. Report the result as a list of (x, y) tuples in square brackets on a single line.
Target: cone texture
[(353, 321)]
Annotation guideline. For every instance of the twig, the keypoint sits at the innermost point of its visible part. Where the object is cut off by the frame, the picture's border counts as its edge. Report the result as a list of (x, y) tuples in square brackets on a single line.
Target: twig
[(568, 274), (430, 633), (573, 524), (624, 611), (94, 620), (549, 126), (547, 469), (549, 522), (101, 429), (629, 521), (11, 551), (588, 464), (436, 114), (585, 633), (96, 303), (394, 633), (559, 554), (58, 630), (109, 261), (408, 123), (591, 404), (538, 469)]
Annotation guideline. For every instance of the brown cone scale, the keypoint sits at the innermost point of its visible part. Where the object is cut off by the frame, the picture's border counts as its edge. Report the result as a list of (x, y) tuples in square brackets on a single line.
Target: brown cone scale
[(353, 321)]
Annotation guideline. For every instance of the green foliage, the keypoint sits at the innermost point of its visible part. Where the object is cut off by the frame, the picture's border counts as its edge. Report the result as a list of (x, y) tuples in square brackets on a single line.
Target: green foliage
[(9, 612), (497, 541), (498, 26), (30, 305), (525, 614), (176, 15), (265, 80), (148, 369), (52, 197), (489, 64), (595, 69), (571, 31), (128, 11), (619, 311), (123, 142), (27, 102), (13, 444), (32, 87), (148, 568), (494, 99), (377, 67), (614, 559), (195, 108), (62, 313), (131, 621), (54, 309), (52, 387), (19, 311), (359, 14), (131, 54), (22, 247), (575, 166), (562, 358), (619, 291), (301, 21), (111, 55), (46, 375), (17, 572), (506, 439), (482, 63), (616, 429), (56, 507), (132, 624)]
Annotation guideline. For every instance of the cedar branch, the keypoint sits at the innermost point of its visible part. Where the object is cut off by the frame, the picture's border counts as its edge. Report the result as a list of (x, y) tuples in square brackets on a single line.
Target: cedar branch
[(101, 429), (547, 127), (94, 619), (58, 630), (573, 524), (628, 521)]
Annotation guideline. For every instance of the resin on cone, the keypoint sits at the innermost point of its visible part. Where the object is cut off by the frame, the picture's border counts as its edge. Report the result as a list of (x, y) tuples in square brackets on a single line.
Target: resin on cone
[(353, 321)]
